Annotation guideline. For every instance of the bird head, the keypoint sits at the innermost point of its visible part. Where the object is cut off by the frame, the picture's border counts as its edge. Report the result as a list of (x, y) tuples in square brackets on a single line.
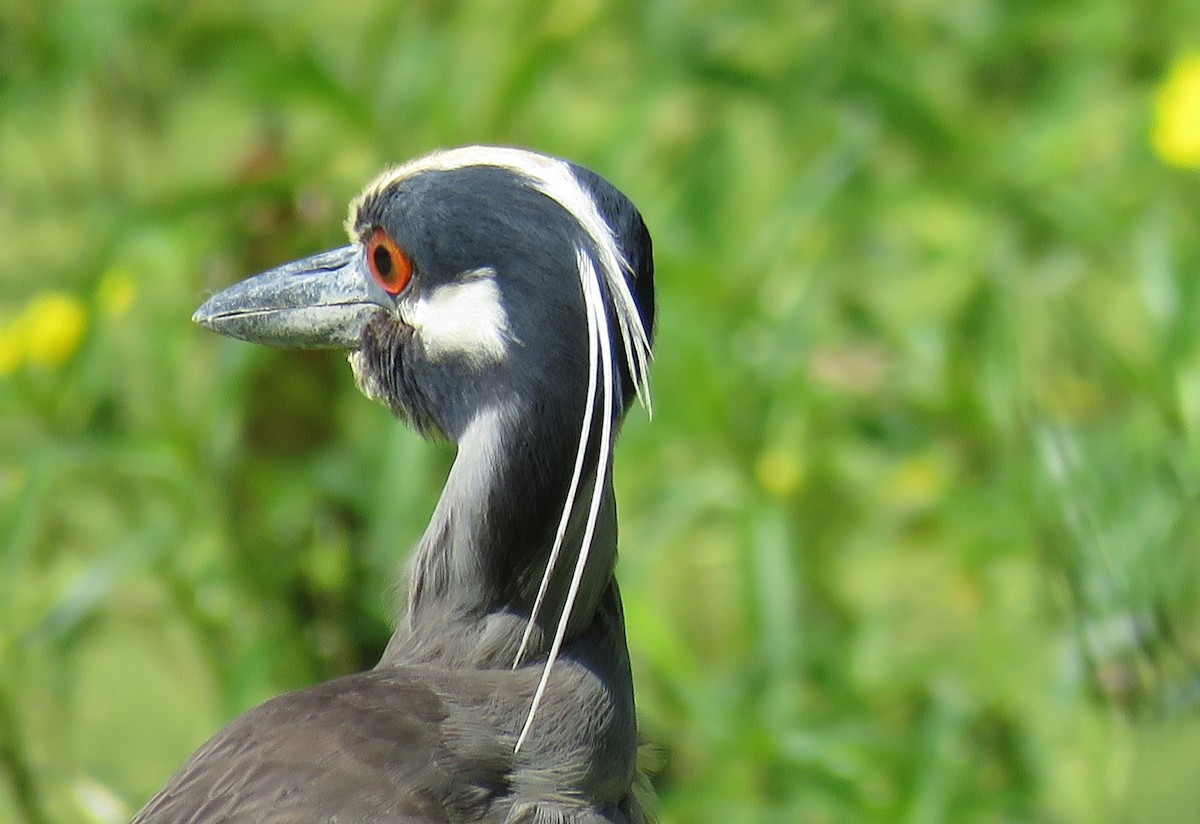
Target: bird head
[(475, 278)]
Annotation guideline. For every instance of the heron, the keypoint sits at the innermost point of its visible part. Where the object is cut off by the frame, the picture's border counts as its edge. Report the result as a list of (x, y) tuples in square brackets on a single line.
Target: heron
[(501, 299)]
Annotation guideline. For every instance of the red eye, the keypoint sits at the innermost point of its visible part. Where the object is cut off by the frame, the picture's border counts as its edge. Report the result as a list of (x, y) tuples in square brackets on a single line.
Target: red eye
[(389, 265)]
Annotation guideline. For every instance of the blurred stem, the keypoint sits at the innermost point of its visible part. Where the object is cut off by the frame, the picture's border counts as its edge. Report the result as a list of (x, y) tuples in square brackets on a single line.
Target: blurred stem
[(211, 638), (17, 766), (108, 161)]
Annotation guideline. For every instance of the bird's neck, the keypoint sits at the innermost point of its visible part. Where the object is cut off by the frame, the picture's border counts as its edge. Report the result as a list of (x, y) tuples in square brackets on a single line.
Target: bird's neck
[(478, 567)]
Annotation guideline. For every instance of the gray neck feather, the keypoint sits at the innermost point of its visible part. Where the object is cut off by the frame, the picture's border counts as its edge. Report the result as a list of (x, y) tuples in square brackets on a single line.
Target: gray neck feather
[(464, 608)]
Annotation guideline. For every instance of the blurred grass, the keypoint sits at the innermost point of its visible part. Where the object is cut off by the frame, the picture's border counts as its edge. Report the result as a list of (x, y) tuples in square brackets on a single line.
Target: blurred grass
[(913, 534)]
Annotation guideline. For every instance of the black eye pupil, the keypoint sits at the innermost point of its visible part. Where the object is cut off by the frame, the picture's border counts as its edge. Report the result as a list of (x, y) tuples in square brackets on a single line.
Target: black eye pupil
[(383, 262)]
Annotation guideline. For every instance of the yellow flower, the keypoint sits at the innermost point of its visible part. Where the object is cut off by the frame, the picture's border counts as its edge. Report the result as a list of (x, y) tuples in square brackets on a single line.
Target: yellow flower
[(779, 471), (53, 326), (115, 292), (917, 482), (1176, 131)]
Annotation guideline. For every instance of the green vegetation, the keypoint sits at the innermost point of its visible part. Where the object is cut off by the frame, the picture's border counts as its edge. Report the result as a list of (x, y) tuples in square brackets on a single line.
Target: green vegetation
[(913, 535)]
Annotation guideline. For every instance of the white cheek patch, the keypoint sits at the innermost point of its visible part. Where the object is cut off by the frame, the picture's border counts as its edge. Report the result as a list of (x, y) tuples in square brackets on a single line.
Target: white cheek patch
[(464, 319)]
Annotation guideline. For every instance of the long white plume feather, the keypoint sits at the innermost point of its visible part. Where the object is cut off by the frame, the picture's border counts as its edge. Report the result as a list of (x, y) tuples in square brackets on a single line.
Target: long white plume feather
[(596, 317), (580, 455)]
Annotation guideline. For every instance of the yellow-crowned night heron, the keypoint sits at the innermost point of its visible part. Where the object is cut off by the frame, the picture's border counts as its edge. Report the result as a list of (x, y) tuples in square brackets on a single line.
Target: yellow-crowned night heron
[(503, 299)]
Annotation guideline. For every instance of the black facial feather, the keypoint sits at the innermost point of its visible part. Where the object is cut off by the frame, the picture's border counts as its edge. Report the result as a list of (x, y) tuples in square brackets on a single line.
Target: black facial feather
[(383, 350), (451, 223)]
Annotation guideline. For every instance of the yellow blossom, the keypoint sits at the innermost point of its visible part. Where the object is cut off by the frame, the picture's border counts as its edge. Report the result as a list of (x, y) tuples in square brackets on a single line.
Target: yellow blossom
[(53, 327), (1176, 131), (917, 482), (779, 471), (115, 292)]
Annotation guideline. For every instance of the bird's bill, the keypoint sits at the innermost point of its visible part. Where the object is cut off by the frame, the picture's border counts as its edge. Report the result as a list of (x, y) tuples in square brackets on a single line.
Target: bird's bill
[(319, 302)]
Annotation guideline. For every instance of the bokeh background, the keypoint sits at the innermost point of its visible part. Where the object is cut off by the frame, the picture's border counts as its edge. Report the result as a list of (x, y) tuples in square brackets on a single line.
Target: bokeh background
[(913, 535)]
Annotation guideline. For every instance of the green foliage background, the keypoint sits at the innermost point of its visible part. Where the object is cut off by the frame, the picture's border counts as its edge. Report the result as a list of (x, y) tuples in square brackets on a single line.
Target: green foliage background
[(912, 536)]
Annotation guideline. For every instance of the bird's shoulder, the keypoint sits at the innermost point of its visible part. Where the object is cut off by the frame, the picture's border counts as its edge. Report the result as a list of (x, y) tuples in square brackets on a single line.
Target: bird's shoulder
[(366, 748)]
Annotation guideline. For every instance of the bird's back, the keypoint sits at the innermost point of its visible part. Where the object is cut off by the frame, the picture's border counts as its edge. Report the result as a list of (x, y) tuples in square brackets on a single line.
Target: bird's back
[(399, 745), (360, 748)]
